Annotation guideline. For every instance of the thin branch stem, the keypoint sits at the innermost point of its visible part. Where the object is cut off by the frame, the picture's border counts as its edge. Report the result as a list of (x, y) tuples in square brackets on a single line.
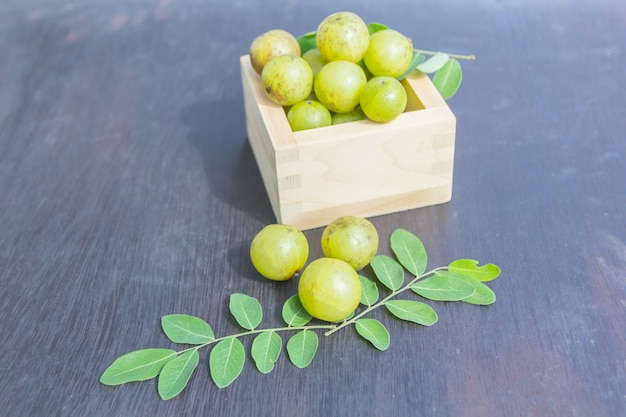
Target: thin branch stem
[(467, 57), (256, 331)]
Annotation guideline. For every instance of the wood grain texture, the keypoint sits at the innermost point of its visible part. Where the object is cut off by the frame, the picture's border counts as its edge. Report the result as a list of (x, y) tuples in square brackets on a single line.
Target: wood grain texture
[(129, 191), (363, 168)]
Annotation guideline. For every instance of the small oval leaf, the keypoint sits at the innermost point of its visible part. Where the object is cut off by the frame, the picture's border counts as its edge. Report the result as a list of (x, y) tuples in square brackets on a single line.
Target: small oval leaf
[(409, 251), (302, 347), (293, 313), (369, 291), (483, 295), (181, 328), (434, 63), (246, 310), (373, 331), (139, 365), (307, 42), (388, 271), (470, 267), (448, 79), (443, 287), (226, 361), (374, 27), (176, 373), (265, 350), (413, 311)]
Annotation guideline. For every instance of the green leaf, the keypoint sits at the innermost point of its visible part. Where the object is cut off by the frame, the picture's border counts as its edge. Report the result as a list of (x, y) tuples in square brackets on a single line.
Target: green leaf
[(181, 328), (176, 373), (373, 331), (443, 287), (388, 271), (302, 347), (434, 63), (469, 267), (448, 79), (307, 42), (226, 361), (415, 61), (265, 350), (409, 250), (139, 365), (246, 310), (293, 313), (369, 291), (374, 27), (483, 295), (412, 311)]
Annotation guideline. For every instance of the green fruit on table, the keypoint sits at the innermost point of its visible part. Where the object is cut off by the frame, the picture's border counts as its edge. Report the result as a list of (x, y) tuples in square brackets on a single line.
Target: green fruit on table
[(271, 44), (279, 251), (389, 53), (383, 99), (342, 36), (338, 86), (308, 114), (352, 239), (329, 289), (287, 79)]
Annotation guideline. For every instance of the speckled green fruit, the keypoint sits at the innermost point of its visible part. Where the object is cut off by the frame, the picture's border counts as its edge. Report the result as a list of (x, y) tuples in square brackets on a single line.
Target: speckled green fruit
[(271, 44), (279, 251), (342, 35), (352, 239), (308, 114), (287, 79), (383, 99), (338, 86), (329, 289), (315, 60), (389, 53), (352, 116)]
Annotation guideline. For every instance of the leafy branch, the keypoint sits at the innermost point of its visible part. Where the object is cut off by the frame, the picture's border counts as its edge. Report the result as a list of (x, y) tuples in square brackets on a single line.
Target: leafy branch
[(461, 280)]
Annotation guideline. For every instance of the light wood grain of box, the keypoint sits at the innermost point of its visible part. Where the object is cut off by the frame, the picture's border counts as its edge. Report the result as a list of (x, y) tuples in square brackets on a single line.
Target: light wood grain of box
[(360, 168)]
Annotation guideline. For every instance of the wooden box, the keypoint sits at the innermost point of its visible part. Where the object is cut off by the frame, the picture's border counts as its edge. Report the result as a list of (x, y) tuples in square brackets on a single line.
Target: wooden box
[(360, 168)]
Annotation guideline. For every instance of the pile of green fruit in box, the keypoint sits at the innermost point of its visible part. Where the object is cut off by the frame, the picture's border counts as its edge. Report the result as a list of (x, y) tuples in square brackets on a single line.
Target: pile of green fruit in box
[(345, 71)]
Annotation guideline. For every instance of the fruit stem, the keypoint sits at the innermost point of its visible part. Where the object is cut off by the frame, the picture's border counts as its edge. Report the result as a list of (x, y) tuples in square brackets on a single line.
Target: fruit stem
[(374, 306), (467, 57)]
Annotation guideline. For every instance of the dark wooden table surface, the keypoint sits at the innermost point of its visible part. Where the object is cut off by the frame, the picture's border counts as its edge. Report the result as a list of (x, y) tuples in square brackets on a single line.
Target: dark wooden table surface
[(128, 191)]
